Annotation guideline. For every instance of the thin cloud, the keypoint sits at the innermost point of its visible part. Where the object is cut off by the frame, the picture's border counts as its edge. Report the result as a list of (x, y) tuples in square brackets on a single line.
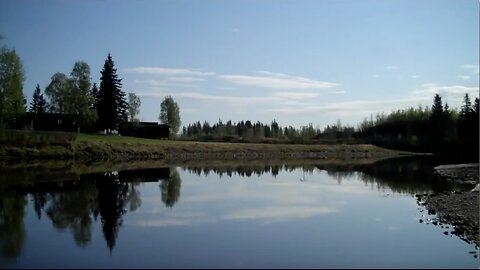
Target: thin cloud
[(165, 83), (415, 76), (163, 71), (186, 79), (376, 76), (296, 95), (277, 81), (450, 92), (208, 97), (473, 68), (391, 67), (422, 96), (278, 213), (463, 77)]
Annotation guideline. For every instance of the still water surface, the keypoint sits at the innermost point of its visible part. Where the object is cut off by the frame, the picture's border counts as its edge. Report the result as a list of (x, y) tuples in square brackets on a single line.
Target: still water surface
[(326, 215)]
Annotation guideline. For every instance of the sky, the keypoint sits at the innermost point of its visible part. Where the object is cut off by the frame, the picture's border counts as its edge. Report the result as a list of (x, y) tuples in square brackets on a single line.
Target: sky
[(295, 61)]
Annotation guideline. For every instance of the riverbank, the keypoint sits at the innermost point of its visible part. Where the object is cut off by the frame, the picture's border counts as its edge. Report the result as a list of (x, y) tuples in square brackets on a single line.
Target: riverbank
[(459, 209), (111, 147)]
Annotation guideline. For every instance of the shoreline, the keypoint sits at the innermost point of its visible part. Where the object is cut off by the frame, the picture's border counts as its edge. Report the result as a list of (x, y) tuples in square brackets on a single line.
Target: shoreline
[(460, 208), (93, 149)]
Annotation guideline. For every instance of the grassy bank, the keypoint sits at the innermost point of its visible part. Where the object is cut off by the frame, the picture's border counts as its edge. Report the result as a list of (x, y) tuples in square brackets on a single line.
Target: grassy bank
[(111, 147)]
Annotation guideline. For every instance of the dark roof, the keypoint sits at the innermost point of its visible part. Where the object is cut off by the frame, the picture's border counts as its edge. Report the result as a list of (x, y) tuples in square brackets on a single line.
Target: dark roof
[(150, 124)]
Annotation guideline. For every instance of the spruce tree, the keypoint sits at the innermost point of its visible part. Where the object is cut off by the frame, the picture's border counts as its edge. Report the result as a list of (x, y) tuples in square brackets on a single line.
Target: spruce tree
[(94, 96), (111, 103), (38, 104)]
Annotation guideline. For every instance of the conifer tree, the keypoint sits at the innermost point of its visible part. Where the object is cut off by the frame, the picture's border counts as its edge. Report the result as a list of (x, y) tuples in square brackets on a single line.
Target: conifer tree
[(111, 102), (38, 104)]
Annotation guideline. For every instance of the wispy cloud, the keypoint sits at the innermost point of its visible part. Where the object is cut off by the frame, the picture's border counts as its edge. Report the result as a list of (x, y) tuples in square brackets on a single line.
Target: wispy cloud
[(391, 67), (277, 81), (296, 95), (277, 213), (448, 92), (423, 95), (235, 30), (473, 68), (164, 71), (209, 97), (186, 79), (376, 76), (463, 77), (165, 83), (415, 76)]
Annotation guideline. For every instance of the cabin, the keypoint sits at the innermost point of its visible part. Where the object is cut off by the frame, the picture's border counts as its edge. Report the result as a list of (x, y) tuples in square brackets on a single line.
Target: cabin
[(148, 130), (47, 122)]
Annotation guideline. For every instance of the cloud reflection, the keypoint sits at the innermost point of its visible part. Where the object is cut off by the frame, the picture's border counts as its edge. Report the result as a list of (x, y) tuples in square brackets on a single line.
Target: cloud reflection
[(278, 213)]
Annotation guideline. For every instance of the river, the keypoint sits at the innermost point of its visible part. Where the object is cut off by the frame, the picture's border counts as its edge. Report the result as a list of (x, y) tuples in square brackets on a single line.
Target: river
[(325, 214)]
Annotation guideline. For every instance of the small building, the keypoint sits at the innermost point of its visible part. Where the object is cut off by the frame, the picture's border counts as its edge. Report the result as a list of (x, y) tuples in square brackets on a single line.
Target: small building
[(149, 130), (47, 122)]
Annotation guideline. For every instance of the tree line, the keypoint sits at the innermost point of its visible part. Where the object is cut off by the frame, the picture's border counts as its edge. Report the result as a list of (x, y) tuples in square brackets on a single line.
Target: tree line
[(92, 108), (431, 129), (435, 129), (248, 131)]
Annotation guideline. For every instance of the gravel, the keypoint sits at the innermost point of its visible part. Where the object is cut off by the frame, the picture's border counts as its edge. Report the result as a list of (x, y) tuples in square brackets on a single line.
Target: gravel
[(458, 209)]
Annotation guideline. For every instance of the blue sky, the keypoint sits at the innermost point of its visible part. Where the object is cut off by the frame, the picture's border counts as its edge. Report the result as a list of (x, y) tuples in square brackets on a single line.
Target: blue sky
[(298, 62)]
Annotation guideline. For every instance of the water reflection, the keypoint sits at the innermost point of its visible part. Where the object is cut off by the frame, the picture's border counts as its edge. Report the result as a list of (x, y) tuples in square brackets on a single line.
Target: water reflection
[(409, 175), (75, 202), (12, 229)]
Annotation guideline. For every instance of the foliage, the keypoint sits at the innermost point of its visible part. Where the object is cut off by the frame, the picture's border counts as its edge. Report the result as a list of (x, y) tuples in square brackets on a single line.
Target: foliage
[(439, 129), (80, 100), (12, 100), (72, 95), (38, 104), (170, 114), (111, 103), (58, 93), (133, 106), (251, 132)]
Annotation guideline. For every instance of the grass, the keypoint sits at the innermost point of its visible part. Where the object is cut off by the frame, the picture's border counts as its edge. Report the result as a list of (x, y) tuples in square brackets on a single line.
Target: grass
[(113, 147)]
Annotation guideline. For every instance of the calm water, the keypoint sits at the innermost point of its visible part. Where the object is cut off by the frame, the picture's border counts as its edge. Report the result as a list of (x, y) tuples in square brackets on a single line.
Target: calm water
[(324, 215)]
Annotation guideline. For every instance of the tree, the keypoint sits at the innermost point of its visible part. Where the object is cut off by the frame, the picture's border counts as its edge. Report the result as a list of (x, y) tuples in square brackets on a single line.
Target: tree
[(94, 96), (58, 93), (38, 104), (170, 114), (111, 103), (133, 106), (476, 107), (80, 101), (437, 107), (468, 120), (12, 100)]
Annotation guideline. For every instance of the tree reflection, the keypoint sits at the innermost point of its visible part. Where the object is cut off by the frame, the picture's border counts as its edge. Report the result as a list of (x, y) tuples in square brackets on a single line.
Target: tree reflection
[(12, 230), (73, 209), (170, 189), (408, 175), (112, 199)]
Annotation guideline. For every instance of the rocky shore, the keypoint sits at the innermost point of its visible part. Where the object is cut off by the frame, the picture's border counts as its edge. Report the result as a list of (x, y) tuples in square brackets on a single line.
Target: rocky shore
[(459, 209)]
